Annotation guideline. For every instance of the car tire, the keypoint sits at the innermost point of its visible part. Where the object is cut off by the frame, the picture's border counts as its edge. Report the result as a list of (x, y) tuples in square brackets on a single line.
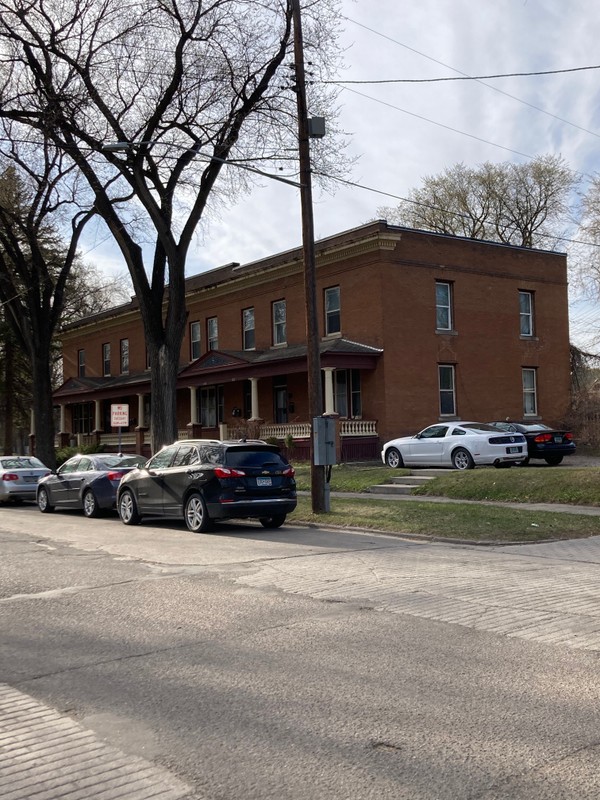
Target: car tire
[(43, 502), (523, 463), (462, 459), (195, 514), (553, 461), (90, 504), (393, 458), (276, 521), (127, 508)]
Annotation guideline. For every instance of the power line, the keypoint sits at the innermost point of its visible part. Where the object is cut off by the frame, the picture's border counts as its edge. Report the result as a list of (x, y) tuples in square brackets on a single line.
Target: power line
[(470, 77), (478, 80), (439, 124)]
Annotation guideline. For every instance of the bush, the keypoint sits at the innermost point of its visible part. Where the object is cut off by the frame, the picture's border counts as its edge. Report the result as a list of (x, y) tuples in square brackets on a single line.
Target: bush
[(65, 453)]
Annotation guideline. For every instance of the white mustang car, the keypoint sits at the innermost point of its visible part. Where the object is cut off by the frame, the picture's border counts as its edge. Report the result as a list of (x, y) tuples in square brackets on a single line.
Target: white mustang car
[(460, 445)]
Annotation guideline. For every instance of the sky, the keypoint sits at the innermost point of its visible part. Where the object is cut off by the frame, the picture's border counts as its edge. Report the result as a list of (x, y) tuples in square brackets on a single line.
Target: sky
[(401, 132)]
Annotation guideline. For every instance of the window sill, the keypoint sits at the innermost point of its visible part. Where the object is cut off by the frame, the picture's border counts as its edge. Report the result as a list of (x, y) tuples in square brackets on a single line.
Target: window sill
[(524, 338), (336, 335), (440, 332)]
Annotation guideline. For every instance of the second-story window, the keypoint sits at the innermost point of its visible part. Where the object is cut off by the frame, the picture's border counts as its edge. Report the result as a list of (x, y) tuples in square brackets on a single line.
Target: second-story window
[(248, 329), (443, 306), (106, 359), (124, 356), (194, 340), (212, 333), (526, 313), (279, 322), (81, 363), (332, 311)]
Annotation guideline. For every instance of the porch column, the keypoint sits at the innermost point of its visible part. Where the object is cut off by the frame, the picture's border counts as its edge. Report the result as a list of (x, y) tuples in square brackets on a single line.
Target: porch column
[(140, 414), (254, 398), (63, 434), (194, 427), (329, 400), (98, 417), (193, 405), (140, 428)]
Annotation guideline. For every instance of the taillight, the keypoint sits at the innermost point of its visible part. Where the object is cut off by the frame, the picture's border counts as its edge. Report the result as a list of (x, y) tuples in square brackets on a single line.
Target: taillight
[(568, 436), (114, 476), (543, 437), (10, 476), (290, 472), (225, 472)]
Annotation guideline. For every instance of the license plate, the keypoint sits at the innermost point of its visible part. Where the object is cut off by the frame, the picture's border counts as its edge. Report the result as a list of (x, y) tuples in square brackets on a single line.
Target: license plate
[(264, 482), (513, 449), (557, 439), (30, 480)]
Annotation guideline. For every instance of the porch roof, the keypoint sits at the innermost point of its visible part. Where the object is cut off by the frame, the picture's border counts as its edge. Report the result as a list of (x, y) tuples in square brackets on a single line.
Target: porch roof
[(227, 365)]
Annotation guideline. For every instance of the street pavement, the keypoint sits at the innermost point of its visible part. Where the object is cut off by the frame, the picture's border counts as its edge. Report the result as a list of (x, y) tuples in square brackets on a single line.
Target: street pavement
[(546, 593)]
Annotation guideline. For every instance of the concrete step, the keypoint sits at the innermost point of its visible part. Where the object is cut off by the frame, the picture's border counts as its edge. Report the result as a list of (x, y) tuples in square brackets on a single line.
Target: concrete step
[(404, 484), (392, 488)]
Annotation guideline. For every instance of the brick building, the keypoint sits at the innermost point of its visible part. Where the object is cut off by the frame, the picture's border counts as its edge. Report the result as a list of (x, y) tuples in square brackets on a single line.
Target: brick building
[(414, 327)]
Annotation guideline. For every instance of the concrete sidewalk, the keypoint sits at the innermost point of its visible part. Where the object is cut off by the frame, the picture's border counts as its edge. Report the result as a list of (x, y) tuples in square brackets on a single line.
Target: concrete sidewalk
[(45, 755)]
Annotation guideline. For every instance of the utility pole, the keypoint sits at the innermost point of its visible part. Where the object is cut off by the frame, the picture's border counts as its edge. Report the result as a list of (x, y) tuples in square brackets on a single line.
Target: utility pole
[(313, 356)]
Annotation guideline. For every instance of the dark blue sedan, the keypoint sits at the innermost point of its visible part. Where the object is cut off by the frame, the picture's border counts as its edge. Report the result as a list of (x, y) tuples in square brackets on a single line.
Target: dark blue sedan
[(87, 482)]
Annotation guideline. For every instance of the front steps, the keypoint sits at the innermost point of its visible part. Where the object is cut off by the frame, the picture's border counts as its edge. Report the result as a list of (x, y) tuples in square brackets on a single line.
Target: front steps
[(405, 484)]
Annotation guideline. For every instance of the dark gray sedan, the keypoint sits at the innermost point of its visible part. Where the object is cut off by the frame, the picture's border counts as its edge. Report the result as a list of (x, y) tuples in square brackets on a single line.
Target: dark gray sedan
[(87, 482)]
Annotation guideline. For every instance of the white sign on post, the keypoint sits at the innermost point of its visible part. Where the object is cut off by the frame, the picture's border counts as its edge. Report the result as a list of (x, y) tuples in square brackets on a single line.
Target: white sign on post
[(119, 415)]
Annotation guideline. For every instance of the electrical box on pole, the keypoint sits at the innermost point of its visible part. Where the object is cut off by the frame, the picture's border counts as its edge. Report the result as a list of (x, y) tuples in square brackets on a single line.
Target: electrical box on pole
[(324, 441)]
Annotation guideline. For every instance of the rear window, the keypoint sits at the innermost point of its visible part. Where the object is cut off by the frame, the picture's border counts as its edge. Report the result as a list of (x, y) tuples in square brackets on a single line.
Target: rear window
[(21, 463), (122, 461), (251, 457)]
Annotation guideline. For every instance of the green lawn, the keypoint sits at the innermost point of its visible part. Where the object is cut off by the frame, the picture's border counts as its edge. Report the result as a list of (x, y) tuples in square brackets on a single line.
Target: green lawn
[(482, 523)]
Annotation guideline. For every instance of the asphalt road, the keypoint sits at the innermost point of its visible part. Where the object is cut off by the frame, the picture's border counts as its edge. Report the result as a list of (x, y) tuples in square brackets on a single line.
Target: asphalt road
[(293, 664)]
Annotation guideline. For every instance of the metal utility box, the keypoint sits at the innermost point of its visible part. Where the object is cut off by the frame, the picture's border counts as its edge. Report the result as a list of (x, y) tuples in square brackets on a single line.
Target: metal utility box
[(324, 441)]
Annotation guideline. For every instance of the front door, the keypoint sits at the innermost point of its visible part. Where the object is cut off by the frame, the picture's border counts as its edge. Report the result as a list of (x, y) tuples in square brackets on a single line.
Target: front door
[(281, 404)]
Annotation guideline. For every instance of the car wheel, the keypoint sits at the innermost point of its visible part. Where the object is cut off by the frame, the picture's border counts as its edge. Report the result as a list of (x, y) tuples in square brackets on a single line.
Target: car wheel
[(462, 459), (393, 458), (276, 521), (553, 461), (43, 502), (90, 504), (128, 509), (524, 462), (196, 515)]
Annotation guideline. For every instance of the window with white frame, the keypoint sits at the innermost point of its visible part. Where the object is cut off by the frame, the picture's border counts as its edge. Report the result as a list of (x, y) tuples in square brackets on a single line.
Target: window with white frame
[(333, 322), (443, 306), (81, 363), (194, 340), (212, 333), (529, 377), (124, 356), (248, 331), (106, 359), (526, 313), (446, 374), (279, 322)]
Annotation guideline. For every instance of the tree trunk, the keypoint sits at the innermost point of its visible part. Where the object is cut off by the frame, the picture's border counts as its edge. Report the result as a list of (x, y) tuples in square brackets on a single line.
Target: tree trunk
[(164, 367), (43, 409), (9, 395)]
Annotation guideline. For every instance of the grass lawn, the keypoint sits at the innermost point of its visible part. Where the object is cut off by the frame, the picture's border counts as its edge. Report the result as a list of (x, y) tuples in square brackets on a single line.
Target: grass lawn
[(482, 523)]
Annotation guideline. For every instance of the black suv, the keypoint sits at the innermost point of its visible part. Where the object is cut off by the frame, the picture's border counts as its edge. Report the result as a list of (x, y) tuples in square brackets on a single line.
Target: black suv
[(205, 480)]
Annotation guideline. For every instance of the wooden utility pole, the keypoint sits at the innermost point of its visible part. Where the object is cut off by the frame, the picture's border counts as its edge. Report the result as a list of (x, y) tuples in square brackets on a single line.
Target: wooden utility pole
[(313, 356)]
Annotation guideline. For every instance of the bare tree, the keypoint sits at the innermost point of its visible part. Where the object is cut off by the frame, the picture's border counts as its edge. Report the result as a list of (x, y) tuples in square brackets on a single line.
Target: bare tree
[(523, 204), (179, 88), (35, 264)]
